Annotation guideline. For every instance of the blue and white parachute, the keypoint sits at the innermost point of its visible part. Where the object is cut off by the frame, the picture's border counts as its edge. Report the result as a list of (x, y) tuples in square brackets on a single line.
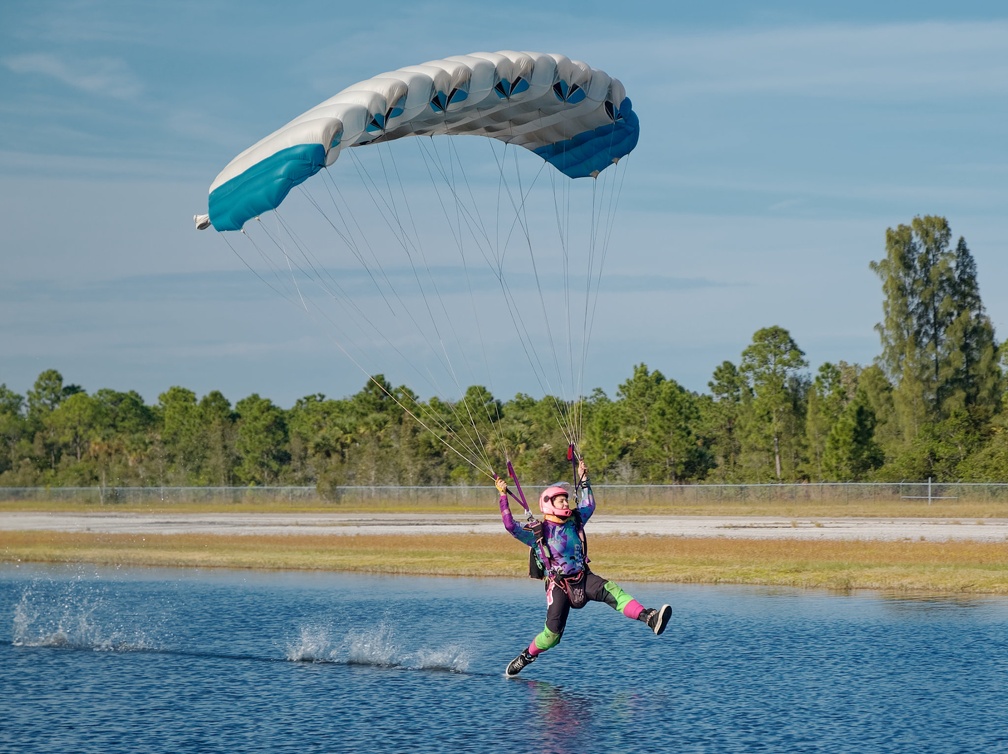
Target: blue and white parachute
[(575, 117), (425, 260)]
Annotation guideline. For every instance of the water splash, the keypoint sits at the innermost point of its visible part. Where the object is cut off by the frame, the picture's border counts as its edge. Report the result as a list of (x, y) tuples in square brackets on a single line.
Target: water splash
[(75, 614), (377, 647), (452, 658), (312, 645)]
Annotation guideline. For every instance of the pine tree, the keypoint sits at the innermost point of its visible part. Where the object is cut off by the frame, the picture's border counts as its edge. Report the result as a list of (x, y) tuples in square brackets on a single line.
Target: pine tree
[(938, 347), (774, 366), (826, 399), (721, 419), (971, 376), (850, 448)]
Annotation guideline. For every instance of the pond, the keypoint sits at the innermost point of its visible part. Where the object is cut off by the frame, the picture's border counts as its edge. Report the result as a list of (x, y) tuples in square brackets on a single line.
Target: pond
[(129, 660)]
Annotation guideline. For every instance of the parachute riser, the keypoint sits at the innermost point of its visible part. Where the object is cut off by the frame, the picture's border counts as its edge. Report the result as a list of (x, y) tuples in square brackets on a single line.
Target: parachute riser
[(574, 458), (520, 497)]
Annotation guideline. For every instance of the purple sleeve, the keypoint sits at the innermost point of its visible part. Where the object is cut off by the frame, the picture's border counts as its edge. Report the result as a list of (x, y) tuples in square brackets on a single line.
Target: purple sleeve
[(516, 530), (587, 504)]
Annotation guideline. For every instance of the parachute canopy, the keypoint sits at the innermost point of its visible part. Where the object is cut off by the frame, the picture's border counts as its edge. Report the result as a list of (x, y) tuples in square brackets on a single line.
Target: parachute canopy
[(574, 116)]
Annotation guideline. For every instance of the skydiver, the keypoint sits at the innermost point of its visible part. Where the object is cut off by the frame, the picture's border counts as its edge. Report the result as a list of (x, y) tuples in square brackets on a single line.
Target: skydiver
[(561, 553)]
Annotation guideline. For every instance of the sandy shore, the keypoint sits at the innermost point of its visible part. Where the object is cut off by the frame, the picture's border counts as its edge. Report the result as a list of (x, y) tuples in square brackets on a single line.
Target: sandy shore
[(350, 524)]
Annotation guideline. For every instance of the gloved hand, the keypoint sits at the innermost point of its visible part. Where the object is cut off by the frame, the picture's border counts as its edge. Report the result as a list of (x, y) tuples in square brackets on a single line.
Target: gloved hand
[(501, 485)]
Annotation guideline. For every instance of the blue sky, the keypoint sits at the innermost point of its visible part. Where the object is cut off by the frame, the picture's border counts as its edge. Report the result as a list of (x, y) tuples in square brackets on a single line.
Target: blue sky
[(778, 142)]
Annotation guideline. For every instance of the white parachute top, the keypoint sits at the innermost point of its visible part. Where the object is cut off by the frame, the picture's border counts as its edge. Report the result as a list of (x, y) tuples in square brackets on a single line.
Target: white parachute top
[(575, 117)]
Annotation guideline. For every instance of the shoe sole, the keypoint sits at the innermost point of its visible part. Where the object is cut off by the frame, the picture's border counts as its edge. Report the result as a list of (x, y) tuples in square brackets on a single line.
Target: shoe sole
[(663, 618)]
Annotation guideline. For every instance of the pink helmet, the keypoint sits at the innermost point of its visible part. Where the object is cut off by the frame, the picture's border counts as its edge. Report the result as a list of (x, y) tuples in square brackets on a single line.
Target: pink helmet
[(546, 501)]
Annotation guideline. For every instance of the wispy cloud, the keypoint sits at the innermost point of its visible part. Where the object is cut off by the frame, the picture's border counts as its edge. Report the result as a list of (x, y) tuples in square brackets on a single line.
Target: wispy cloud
[(106, 76)]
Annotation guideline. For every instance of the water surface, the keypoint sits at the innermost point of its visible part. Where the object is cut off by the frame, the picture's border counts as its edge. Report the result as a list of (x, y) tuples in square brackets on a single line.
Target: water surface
[(117, 660)]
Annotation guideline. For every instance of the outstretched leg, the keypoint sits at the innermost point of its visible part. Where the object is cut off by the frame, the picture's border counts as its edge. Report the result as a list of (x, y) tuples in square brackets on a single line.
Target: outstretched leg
[(557, 610), (613, 595)]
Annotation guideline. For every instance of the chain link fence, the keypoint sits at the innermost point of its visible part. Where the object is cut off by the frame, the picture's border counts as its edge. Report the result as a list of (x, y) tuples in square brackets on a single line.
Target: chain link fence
[(614, 494)]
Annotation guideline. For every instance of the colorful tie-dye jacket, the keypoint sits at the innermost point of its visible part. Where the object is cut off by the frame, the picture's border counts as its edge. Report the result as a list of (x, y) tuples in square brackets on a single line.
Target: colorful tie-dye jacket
[(566, 550)]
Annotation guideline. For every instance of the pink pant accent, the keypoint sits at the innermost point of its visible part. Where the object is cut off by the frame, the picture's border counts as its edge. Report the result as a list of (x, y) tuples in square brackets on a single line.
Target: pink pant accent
[(534, 650), (633, 609)]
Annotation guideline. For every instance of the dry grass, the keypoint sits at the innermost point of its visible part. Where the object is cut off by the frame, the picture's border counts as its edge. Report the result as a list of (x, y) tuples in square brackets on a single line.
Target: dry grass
[(909, 566), (782, 507)]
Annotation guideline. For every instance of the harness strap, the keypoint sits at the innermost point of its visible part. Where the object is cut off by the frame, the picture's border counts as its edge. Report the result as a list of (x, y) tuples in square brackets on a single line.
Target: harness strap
[(541, 544), (545, 553)]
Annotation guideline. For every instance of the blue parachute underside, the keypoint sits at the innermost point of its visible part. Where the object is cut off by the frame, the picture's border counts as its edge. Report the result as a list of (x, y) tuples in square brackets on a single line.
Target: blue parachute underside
[(264, 185), (592, 152)]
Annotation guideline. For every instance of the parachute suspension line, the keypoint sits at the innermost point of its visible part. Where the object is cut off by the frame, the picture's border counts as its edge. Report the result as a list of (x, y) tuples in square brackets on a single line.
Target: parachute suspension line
[(472, 439), (290, 269), (405, 244), (521, 220), (561, 409), (252, 269), (312, 269), (398, 228), (574, 417), (346, 233), (321, 282), (478, 461), (591, 282), (606, 190), (611, 198), (435, 163), (572, 407), (275, 240), (475, 455), (514, 310), (471, 426), (494, 418), (330, 286), (437, 169), (561, 210), (275, 269), (473, 222), (342, 298), (426, 268)]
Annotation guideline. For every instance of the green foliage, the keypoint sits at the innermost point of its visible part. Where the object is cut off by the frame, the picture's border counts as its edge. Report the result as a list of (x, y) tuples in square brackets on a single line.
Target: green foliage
[(261, 441), (932, 406), (721, 415), (773, 366), (12, 427), (650, 433), (826, 401), (990, 461), (850, 452), (938, 346)]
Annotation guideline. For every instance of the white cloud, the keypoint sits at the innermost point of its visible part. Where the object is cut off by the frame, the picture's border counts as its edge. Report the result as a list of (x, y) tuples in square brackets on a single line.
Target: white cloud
[(110, 77)]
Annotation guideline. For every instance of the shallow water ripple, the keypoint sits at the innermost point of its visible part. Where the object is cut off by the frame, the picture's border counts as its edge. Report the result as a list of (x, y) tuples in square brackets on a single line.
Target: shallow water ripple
[(169, 661)]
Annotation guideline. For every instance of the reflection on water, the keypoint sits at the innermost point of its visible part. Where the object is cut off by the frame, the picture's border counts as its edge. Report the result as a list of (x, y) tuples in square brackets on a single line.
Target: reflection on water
[(160, 660)]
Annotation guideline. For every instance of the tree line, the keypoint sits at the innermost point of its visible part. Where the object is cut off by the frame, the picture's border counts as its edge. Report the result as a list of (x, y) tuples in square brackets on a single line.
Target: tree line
[(932, 405)]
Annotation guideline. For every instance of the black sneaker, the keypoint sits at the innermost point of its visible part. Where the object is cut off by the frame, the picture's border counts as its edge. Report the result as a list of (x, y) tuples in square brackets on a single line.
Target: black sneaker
[(515, 666), (656, 619)]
